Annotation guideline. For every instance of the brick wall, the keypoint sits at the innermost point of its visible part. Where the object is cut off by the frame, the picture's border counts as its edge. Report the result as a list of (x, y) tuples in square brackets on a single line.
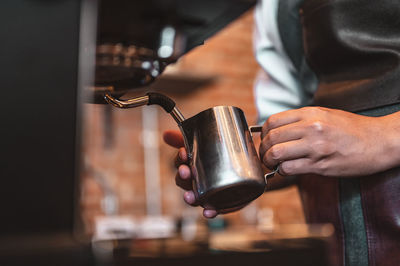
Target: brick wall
[(228, 60)]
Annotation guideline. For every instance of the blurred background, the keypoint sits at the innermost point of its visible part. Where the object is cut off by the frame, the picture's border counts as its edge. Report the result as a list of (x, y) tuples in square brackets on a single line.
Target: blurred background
[(129, 170)]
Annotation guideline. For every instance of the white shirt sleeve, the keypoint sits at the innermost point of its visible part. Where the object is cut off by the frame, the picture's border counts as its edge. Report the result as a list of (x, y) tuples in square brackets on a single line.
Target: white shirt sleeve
[(277, 87)]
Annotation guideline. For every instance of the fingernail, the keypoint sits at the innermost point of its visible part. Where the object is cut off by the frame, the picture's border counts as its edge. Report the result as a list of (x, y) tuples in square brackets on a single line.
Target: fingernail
[(210, 213), (182, 155), (181, 171), (184, 172), (189, 197)]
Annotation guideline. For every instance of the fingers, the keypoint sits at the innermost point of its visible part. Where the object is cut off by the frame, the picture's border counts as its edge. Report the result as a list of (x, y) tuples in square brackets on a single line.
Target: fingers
[(190, 198), (183, 178), (210, 213), (184, 175), (283, 138), (281, 134), (185, 184), (297, 167), (174, 138), (181, 157), (280, 119), (285, 152)]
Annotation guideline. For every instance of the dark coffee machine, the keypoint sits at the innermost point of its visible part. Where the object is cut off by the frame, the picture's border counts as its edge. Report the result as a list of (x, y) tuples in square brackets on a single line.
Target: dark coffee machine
[(55, 56)]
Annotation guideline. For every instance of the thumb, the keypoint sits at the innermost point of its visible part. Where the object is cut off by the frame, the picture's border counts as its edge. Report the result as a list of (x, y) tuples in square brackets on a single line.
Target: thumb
[(174, 138)]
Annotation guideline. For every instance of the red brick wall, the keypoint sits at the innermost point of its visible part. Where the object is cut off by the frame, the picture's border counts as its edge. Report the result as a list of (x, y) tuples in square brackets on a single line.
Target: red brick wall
[(228, 56)]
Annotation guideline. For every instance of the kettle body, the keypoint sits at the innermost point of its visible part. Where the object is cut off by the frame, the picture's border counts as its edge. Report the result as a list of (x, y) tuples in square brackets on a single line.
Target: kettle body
[(225, 166)]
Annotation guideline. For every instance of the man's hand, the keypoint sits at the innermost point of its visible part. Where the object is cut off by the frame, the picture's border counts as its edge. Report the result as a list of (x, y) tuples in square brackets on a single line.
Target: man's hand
[(330, 142), (184, 176)]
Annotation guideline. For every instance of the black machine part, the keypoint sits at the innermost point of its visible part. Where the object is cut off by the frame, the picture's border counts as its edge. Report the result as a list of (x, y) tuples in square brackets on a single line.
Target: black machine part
[(136, 40)]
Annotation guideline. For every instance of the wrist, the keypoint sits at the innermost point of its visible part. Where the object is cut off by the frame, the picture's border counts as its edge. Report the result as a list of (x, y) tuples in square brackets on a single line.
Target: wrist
[(391, 140)]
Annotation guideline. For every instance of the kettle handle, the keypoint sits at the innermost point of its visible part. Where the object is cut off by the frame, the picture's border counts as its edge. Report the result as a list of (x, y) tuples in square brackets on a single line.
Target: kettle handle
[(258, 129), (255, 129)]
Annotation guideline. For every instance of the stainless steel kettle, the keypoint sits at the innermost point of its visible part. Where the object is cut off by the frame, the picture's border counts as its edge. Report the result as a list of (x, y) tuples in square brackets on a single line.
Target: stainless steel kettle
[(224, 163)]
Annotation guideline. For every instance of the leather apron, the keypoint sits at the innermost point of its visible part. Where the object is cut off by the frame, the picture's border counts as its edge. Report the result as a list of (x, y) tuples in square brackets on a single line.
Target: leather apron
[(353, 47)]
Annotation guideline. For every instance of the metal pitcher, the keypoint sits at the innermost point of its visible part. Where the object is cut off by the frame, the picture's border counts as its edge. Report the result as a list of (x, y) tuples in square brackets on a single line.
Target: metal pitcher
[(226, 169)]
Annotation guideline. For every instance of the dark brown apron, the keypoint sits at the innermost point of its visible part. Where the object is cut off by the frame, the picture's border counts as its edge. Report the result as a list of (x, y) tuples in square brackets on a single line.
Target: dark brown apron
[(353, 47)]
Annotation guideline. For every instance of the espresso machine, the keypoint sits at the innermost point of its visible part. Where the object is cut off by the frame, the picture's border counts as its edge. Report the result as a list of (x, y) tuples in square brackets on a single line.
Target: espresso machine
[(57, 56)]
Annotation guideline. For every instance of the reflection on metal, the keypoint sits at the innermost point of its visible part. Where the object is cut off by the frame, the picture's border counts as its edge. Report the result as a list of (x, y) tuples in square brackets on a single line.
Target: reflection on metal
[(135, 102), (272, 174), (177, 115), (226, 168), (140, 101)]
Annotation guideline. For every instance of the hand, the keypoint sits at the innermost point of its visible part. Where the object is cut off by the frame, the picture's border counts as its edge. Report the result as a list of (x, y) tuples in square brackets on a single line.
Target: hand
[(184, 176), (329, 142)]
